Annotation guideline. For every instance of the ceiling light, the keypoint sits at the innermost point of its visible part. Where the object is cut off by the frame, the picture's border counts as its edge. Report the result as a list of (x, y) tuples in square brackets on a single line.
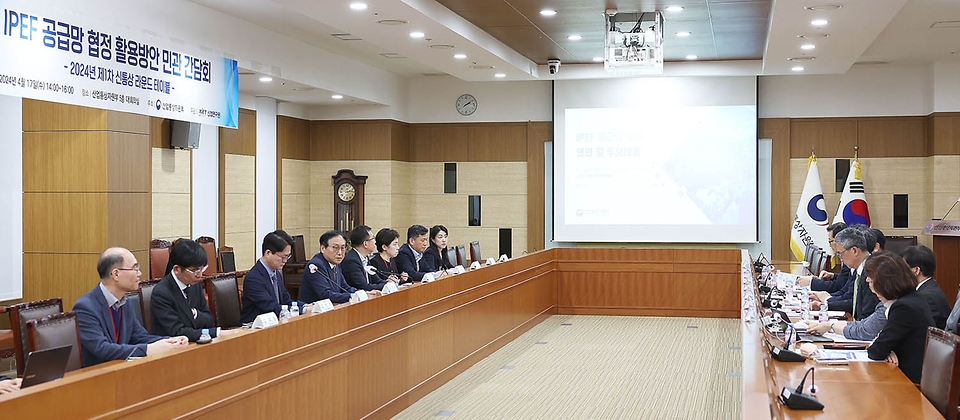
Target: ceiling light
[(813, 36), (574, 37), (500, 75), (819, 22), (824, 7), (691, 57), (358, 6), (797, 68), (460, 56), (597, 59), (683, 33), (416, 35), (266, 79), (674, 8), (807, 47), (336, 96), (548, 12)]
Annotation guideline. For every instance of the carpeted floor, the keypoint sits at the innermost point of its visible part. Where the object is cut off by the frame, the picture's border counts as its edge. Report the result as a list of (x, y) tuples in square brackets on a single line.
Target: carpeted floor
[(600, 367)]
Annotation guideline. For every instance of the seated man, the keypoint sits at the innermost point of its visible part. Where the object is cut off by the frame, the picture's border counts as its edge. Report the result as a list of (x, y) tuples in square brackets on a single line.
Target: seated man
[(263, 289), (827, 281), (854, 244), (411, 253), (322, 279), (355, 263), (109, 329), (922, 264), (178, 306)]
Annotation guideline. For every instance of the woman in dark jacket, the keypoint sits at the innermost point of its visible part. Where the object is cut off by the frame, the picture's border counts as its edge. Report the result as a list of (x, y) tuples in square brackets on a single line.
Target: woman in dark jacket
[(435, 257)]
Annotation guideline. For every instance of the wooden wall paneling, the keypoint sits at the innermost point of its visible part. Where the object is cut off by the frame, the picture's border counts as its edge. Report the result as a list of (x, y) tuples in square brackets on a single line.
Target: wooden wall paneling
[(327, 140), (538, 133), (65, 222), (500, 142), (946, 133), (947, 251), (129, 162), (892, 137), (65, 161), (293, 138), (832, 137), (243, 139), (129, 219), (779, 131), (368, 141), (160, 132), (64, 275), (438, 143), (399, 141), (126, 122), (53, 116)]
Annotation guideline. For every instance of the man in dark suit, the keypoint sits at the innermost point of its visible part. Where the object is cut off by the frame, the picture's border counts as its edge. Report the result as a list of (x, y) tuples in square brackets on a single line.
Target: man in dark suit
[(827, 281), (355, 263), (923, 264), (263, 289), (408, 260), (109, 329), (178, 306), (323, 279), (854, 245)]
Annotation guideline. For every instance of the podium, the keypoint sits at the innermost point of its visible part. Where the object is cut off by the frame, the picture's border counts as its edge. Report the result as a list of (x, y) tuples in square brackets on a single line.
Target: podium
[(946, 247)]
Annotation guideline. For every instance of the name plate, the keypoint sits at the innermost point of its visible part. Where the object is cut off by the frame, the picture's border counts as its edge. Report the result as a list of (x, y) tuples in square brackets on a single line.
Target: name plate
[(266, 320), (389, 288), (322, 306)]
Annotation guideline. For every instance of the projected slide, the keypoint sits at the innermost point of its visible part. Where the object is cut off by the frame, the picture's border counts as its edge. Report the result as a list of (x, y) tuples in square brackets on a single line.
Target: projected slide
[(660, 166)]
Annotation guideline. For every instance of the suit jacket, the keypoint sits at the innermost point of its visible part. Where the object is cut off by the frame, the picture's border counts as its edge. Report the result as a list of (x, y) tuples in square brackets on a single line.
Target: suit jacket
[(905, 334), (385, 267), (320, 282), (937, 302), (866, 301), (172, 313), (356, 276), (97, 341), (259, 295), (832, 286), (842, 300), (434, 259), (407, 263)]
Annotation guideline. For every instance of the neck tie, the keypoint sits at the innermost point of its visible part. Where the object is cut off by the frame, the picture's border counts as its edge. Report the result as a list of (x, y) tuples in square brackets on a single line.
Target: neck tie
[(276, 291), (856, 286), (184, 291)]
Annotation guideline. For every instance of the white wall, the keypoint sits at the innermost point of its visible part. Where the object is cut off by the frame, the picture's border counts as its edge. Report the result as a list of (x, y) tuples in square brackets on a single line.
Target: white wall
[(432, 99), (946, 80), (862, 91), (266, 192), (206, 184), (11, 195)]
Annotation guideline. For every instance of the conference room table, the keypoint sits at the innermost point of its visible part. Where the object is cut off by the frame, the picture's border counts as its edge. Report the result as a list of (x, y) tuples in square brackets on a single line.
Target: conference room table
[(858, 390)]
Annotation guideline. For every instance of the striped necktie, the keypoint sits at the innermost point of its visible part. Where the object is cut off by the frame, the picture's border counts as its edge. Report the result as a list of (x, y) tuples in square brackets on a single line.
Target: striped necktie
[(856, 287)]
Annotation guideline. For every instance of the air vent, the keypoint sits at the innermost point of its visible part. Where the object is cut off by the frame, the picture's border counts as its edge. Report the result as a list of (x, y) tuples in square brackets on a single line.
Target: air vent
[(871, 63), (432, 74), (482, 67), (392, 55), (945, 24), (305, 89), (443, 46), (801, 59), (824, 7), (392, 22), (346, 37), (813, 36)]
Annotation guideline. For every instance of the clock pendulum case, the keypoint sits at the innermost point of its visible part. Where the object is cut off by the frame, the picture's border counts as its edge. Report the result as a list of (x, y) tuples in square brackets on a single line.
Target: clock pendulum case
[(347, 200)]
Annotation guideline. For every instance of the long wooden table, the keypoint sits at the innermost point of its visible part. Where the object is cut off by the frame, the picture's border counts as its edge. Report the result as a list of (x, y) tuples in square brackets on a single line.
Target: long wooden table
[(375, 358), (861, 390)]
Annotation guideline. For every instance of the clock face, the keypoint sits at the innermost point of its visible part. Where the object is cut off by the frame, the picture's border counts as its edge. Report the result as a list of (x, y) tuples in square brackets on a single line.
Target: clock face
[(346, 192), (466, 104)]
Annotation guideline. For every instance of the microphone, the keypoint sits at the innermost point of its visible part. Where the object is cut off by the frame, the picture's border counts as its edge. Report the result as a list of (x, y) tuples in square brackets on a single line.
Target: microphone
[(797, 400), (951, 209), (768, 301), (783, 353)]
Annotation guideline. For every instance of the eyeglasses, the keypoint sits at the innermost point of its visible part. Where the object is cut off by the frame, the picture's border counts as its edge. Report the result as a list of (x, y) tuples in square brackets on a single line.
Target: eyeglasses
[(136, 267), (338, 248), (197, 272), (284, 257), (370, 239), (844, 250)]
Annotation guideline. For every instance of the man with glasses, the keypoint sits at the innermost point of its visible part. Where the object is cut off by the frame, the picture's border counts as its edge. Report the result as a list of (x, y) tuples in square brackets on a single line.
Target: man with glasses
[(827, 281), (411, 253), (263, 289), (322, 279), (109, 329), (178, 306), (854, 245), (356, 261)]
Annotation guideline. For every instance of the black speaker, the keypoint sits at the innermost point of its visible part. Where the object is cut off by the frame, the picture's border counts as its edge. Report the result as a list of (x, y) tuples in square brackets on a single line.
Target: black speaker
[(473, 211), (184, 135)]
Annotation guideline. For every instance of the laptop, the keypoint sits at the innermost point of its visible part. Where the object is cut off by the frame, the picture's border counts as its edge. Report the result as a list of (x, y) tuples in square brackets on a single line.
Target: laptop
[(45, 365)]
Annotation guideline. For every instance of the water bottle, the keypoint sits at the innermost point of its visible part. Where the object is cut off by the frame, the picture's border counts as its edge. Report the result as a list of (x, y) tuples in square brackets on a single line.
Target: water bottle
[(284, 312), (804, 306), (824, 316), (294, 310), (204, 336), (789, 287)]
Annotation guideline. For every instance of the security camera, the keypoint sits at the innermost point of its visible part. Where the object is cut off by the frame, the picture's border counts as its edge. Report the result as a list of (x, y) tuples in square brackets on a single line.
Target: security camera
[(554, 65)]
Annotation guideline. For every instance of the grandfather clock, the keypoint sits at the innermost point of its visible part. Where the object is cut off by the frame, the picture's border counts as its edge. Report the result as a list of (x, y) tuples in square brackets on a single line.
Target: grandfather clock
[(347, 200)]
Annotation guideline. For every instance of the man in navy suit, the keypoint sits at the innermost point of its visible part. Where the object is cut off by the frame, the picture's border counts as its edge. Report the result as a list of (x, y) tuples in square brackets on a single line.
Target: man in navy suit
[(263, 289), (323, 279), (923, 263), (178, 306), (109, 329), (408, 260), (355, 263)]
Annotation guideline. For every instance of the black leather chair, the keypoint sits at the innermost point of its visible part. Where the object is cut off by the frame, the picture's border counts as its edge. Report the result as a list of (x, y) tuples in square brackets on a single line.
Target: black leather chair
[(19, 315), (146, 293), (452, 256), (133, 298), (223, 298), (940, 380), (475, 252), (57, 330), (461, 256)]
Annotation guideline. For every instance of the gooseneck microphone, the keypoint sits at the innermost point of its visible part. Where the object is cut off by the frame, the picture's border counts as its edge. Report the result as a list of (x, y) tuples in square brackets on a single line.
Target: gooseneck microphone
[(797, 400), (948, 211), (783, 353)]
